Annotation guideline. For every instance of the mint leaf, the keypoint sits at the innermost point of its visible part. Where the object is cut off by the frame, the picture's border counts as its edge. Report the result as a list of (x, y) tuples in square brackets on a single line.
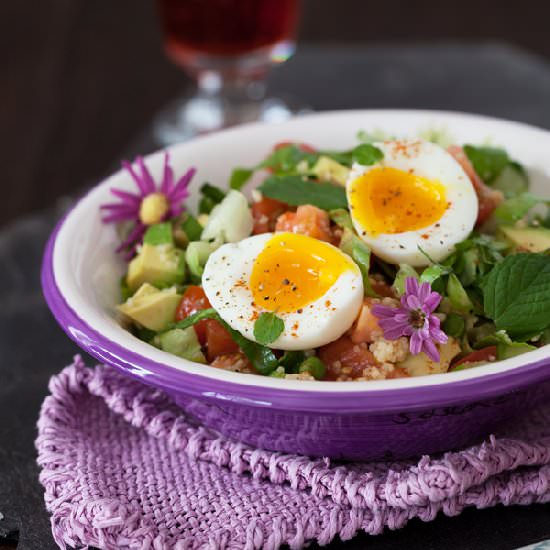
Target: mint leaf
[(262, 358), (294, 190), (516, 294), (367, 154), (488, 162), (209, 313), (239, 177), (267, 328), (512, 210), (360, 253)]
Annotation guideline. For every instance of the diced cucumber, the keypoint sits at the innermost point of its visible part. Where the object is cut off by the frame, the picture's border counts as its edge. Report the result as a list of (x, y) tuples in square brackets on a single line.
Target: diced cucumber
[(160, 233), (183, 343)]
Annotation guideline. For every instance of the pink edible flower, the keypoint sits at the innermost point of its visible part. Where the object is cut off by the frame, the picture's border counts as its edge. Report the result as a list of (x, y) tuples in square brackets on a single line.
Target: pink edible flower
[(414, 318), (151, 204)]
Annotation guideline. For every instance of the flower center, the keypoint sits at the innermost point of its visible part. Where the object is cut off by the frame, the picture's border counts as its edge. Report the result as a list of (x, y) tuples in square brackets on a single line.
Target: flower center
[(417, 318), (153, 208)]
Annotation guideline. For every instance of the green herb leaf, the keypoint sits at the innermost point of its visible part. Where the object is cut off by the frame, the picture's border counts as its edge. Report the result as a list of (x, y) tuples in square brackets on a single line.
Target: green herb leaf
[(360, 253), (215, 194), (514, 209), (454, 325), (405, 271), (191, 227), (209, 313), (285, 160), (268, 327), (488, 162), (314, 366), (341, 217), (460, 301), (262, 358), (506, 347), (434, 272), (295, 190), (160, 233), (512, 181), (367, 154), (516, 294), (291, 360), (239, 177)]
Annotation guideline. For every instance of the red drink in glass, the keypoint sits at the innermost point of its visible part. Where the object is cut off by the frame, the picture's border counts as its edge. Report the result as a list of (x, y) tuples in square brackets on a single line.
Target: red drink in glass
[(225, 29)]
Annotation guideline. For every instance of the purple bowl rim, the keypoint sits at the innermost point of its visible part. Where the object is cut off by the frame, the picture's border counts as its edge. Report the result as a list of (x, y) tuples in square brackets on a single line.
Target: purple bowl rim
[(174, 380), (179, 381)]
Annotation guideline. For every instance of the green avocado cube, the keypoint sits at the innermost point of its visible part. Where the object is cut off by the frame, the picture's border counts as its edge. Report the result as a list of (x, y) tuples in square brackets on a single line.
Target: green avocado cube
[(528, 239), (330, 170), (161, 266), (160, 233), (152, 308)]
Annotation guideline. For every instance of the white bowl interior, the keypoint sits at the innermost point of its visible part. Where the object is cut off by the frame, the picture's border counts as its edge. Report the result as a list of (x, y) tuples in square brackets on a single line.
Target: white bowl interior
[(87, 270)]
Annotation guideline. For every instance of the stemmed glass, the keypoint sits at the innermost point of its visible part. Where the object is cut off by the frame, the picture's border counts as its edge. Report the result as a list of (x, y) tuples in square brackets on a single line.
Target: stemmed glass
[(228, 47)]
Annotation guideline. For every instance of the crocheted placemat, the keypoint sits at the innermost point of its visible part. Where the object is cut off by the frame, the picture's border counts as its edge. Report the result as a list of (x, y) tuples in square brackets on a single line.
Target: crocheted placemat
[(123, 467)]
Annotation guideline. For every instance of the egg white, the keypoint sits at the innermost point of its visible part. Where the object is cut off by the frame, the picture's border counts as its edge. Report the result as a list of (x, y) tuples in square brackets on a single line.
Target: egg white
[(430, 161), (231, 265)]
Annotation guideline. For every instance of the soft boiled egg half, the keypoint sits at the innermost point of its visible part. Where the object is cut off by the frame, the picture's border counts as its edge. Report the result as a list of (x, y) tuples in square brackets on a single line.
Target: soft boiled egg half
[(314, 287), (416, 198)]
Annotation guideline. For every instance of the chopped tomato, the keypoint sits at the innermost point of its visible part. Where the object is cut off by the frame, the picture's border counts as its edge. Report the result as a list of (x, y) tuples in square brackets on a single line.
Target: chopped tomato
[(307, 220), (194, 299), (218, 340), (209, 331), (366, 326), (344, 353), (302, 146), (486, 354), (265, 213), (488, 198)]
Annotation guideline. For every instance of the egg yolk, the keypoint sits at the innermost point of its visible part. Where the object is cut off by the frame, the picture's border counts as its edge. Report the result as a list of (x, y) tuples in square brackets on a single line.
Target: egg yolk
[(292, 271), (387, 200)]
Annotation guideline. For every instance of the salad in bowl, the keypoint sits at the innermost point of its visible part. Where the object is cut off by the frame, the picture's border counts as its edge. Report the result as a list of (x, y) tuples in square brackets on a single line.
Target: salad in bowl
[(399, 257), (358, 297)]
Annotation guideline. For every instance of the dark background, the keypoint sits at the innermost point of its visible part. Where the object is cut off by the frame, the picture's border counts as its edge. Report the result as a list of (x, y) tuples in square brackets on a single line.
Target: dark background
[(80, 78)]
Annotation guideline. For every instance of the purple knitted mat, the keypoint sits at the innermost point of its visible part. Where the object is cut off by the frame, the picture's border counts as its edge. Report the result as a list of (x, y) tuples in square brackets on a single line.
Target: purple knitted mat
[(122, 467)]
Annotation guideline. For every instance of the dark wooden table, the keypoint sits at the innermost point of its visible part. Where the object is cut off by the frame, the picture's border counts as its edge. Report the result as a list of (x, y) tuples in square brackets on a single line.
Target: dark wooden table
[(489, 79)]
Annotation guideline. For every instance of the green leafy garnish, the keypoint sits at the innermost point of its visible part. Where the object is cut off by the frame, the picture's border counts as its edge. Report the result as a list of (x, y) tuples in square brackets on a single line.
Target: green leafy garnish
[(360, 253), (454, 325), (191, 227), (512, 181), (506, 347), (268, 327), (515, 208), (516, 294), (239, 177), (262, 358), (488, 162), (160, 233), (367, 154), (291, 360), (459, 299), (295, 190), (405, 271), (434, 272), (341, 217), (284, 160), (211, 195), (314, 366)]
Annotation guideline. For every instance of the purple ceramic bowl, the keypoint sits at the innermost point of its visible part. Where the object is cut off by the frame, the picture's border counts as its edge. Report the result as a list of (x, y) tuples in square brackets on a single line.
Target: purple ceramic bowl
[(342, 420)]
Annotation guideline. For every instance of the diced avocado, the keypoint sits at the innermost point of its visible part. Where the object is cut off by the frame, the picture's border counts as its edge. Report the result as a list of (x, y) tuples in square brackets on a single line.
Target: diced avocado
[(183, 343), (161, 266), (420, 364), (328, 169), (152, 308), (160, 233), (528, 239)]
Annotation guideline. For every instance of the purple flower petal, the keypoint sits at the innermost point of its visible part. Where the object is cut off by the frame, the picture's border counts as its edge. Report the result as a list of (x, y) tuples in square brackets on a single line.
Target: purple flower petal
[(415, 343), (138, 179), (431, 350), (424, 291), (411, 285), (146, 178), (168, 177), (431, 302), (126, 197)]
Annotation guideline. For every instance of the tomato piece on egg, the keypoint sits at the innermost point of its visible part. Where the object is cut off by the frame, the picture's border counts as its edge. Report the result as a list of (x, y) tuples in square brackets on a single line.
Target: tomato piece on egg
[(307, 220), (488, 198), (210, 332), (265, 213)]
